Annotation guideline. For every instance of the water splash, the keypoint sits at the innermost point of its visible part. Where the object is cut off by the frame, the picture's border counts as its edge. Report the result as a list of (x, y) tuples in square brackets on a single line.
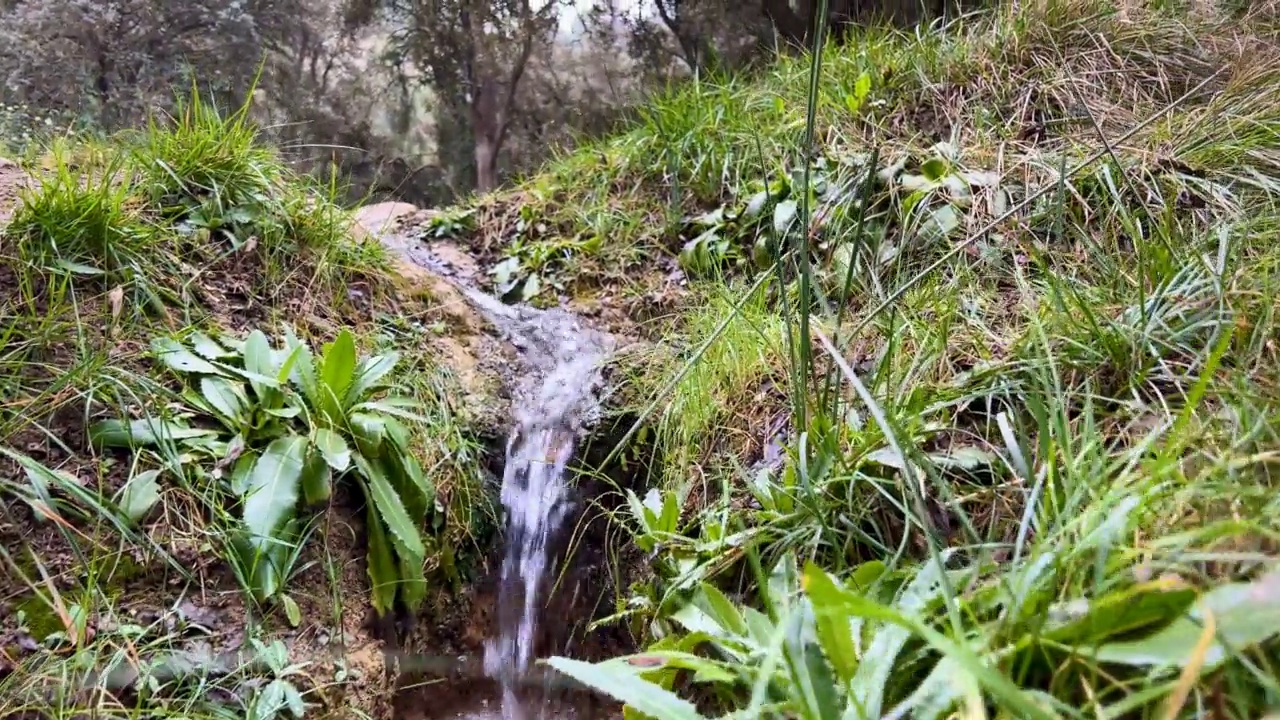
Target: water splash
[(558, 401)]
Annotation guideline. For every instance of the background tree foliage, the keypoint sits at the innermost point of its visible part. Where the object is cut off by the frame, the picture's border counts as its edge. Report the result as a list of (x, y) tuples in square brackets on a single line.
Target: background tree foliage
[(420, 99)]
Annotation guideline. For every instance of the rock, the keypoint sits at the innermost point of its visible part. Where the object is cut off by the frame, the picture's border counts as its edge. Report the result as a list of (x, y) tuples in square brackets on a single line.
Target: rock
[(380, 219)]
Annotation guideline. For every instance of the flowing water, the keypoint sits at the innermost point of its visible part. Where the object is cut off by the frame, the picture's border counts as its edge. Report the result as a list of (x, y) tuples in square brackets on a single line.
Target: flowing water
[(558, 399), (557, 386)]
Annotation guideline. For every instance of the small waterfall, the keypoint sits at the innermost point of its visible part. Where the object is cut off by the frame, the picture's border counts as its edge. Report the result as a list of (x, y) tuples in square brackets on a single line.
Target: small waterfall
[(552, 409)]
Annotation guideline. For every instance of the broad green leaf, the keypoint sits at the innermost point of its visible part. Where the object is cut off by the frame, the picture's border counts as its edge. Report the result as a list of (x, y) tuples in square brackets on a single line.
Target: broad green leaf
[(383, 577), (144, 431), (866, 574), (273, 486), (368, 430), (390, 508), (393, 407), (226, 397), (369, 375), (317, 479), (293, 700), (759, 625), (783, 215), (1121, 613), (303, 373), (139, 494), (208, 348), (945, 686), (935, 168), (812, 672), (241, 471), (1244, 615), (269, 701), (337, 372), (291, 610), (996, 683), (833, 628), (413, 580), (286, 364), (333, 447), (257, 360), (867, 687), (266, 558), (407, 467), (940, 223), (614, 679), (719, 607), (176, 357), (862, 86)]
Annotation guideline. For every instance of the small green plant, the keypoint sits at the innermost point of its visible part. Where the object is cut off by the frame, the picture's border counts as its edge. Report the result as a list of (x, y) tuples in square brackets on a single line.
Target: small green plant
[(449, 224), (280, 695), (276, 426)]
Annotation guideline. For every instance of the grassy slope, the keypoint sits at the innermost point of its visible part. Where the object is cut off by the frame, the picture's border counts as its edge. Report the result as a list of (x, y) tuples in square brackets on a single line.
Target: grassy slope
[(189, 225), (1084, 390)]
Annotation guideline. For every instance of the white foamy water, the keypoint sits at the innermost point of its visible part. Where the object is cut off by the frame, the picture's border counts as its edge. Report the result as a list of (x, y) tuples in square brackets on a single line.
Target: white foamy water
[(559, 399)]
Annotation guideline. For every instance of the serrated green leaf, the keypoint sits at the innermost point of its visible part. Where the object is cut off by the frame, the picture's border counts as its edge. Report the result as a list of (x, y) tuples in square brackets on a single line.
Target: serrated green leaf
[(144, 431), (368, 430), (1121, 613), (833, 627), (333, 448), (413, 581), (945, 686), (303, 373), (722, 610), (390, 508), (176, 357), (273, 486), (317, 479), (616, 679), (411, 481), (241, 471), (293, 701), (337, 372), (139, 494), (226, 397), (369, 375), (208, 348), (381, 565), (257, 360), (394, 407)]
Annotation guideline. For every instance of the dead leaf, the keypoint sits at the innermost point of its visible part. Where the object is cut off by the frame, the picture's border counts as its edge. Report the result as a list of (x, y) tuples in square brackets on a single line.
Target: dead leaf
[(116, 298)]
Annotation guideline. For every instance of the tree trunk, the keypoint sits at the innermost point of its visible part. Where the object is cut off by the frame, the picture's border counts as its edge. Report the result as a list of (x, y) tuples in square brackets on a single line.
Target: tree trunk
[(486, 164), (790, 27)]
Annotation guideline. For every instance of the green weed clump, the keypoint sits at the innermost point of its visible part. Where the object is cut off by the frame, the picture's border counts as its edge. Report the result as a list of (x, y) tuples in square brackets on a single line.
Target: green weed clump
[(144, 415), (1025, 368), (276, 427)]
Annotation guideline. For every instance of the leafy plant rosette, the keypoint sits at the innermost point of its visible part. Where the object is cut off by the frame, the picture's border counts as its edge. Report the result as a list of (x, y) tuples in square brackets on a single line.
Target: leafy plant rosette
[(276, 426)]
